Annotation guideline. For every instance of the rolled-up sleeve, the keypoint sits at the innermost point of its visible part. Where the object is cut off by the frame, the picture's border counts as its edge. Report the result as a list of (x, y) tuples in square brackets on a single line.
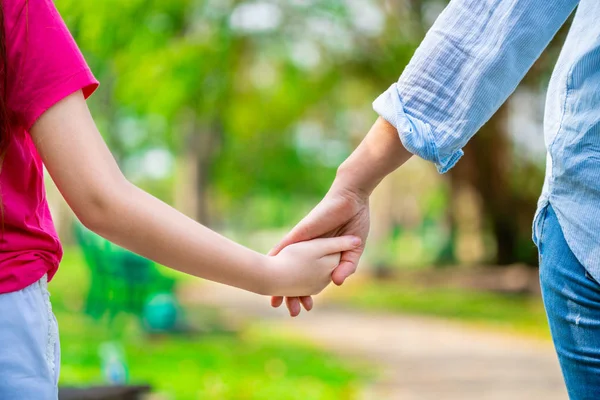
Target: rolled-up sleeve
[(470, 61)]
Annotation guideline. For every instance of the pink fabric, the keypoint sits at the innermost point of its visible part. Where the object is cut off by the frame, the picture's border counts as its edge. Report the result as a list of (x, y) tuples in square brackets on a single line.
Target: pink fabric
[(44, 66)]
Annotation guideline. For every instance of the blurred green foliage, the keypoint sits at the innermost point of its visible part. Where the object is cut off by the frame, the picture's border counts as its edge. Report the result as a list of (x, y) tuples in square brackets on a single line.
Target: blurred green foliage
[(250, 106), (262, 100), (255, 364), (266, 96)]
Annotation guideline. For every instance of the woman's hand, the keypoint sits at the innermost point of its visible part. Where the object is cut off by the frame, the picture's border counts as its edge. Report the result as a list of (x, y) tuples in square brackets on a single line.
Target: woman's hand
[(345, 208)]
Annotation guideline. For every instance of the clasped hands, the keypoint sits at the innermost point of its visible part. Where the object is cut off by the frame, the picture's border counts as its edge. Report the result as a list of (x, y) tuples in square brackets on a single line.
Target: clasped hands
[(343, 211)]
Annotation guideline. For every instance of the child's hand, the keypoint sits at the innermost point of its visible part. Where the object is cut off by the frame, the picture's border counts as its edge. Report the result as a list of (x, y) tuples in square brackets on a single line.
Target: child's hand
[(304, 268)]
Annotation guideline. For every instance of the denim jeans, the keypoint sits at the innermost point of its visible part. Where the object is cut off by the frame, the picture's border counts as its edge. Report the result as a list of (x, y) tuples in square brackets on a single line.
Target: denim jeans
[(29, 348), (572, 301)]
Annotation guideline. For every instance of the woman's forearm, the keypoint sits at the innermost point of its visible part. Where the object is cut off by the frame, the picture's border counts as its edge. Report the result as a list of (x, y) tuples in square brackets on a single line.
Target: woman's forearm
[(379, 154)]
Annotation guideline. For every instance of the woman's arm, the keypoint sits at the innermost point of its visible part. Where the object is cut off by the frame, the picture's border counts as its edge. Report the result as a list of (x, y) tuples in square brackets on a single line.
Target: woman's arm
[(470, 61), (88, 177), (379, 154), (345, 208)]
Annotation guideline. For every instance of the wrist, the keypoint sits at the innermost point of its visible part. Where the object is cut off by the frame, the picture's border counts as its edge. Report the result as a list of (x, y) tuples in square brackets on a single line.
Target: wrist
[(353, 178), (380, 153), (271, 282), (261, 277)]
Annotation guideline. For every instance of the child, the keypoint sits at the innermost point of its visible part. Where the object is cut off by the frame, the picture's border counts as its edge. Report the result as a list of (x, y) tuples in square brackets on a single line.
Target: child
[(44, 118)]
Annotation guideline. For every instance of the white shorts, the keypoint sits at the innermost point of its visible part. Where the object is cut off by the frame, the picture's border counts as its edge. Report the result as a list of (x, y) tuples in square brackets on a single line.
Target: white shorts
[(29, 345)]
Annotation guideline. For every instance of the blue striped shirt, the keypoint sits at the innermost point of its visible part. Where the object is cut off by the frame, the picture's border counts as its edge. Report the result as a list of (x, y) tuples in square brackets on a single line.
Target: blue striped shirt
[(472, 59)]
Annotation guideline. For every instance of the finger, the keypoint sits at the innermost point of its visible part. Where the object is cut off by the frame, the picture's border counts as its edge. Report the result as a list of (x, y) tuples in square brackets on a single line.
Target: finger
[(280, 246), (342, 272), (333, 245), (294, 236), (298, 234), (307, 302), (276, 301), (317, 223), (347, 266), (293, 305)]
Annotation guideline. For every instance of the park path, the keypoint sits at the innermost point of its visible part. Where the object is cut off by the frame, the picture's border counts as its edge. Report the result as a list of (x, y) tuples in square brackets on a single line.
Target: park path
[(417, 358)]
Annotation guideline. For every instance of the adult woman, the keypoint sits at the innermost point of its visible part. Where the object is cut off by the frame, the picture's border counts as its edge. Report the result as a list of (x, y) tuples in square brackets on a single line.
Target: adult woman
[(470, 61)]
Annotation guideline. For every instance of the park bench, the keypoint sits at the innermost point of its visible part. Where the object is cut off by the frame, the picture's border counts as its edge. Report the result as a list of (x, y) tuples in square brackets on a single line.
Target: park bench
[(120, 281), (104, 393)]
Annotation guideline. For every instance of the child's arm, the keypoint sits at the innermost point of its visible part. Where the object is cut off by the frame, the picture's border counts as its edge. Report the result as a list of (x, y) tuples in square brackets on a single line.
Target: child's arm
[(88, 177)]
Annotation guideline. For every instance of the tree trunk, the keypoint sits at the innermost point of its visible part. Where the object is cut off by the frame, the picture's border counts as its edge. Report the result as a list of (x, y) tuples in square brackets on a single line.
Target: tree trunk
[(492, 154), (207, 147), (486, 168)]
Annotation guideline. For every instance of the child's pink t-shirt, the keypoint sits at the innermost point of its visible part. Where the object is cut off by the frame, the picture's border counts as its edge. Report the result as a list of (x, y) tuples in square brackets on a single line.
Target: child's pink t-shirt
[(44, 65)]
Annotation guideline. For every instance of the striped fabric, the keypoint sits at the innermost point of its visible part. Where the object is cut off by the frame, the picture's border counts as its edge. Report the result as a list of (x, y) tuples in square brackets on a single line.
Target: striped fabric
[(472, 59)]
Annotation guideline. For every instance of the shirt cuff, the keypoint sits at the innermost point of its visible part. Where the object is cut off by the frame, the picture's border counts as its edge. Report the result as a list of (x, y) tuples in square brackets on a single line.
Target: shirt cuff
[(416, 135)]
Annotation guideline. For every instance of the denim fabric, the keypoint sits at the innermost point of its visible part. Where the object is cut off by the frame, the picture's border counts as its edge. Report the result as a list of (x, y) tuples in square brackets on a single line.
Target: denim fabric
[(29, 347), (470, 61), (572, 300)]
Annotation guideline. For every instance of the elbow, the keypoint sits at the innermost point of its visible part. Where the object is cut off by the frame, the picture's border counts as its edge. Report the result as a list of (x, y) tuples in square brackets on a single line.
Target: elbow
[(98, 209), (94, 217)]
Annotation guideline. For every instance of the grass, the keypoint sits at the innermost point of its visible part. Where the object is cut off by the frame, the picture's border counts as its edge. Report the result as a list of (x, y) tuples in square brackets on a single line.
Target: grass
[(519, 314), (253, 364)]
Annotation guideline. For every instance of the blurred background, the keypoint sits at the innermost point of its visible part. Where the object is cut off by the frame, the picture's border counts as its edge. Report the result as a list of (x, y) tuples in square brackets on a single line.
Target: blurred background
[(238, 113)]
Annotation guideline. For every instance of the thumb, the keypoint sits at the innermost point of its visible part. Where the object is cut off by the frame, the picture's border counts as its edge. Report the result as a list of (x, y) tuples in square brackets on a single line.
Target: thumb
[(317, 223), (326, 246), (298, 234)]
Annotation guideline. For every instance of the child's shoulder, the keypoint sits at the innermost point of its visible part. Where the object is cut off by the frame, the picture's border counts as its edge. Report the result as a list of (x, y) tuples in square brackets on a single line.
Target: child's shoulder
[(12, 8), (15, 10)]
